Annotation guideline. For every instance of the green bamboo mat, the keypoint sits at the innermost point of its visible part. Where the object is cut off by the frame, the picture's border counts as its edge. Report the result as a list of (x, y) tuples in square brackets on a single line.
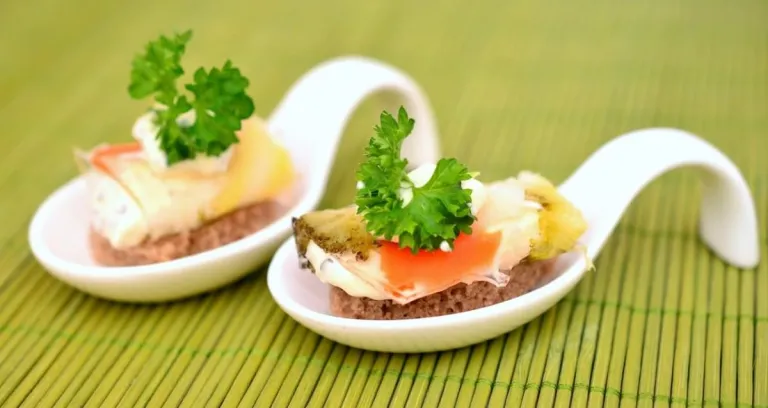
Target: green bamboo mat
[(516, 85)]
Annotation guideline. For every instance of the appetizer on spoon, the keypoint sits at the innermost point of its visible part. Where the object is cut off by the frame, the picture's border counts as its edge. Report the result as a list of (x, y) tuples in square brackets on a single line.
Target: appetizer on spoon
[(205, 191), (201, 172), (435, 240), (436, 286)]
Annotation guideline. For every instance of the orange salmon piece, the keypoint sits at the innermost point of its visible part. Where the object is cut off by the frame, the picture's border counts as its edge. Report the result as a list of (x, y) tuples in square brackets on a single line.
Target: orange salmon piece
[(104, 152), (438, 269)]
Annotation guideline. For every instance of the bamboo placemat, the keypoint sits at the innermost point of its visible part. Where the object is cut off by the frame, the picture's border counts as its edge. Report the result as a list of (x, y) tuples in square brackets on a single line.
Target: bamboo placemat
[(515, 85)]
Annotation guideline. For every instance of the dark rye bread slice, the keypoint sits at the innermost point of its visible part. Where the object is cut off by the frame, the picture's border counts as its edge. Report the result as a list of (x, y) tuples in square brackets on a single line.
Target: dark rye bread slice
[(459, 298), (226, 229)]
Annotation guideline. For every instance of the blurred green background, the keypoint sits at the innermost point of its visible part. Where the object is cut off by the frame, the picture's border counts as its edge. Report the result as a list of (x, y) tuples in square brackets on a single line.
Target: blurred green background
[(515, 85)]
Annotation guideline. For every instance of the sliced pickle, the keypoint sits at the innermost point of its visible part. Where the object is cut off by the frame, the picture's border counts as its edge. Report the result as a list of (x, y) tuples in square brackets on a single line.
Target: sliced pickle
[(336, 231), (560, 223)]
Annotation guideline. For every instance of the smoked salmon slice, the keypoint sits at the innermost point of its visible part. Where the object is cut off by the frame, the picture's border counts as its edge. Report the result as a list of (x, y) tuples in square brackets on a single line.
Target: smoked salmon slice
[(474, 257)]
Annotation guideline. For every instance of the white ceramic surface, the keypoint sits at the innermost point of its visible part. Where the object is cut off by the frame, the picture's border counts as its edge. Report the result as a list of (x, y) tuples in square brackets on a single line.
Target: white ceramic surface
[(627, 163), (309, 121)]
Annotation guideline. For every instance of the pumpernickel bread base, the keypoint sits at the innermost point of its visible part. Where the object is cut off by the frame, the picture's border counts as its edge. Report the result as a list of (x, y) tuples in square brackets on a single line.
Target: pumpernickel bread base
[(221, 231), (458, 298)]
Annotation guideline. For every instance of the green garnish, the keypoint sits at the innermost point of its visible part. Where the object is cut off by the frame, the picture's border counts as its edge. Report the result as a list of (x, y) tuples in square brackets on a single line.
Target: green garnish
[(219, 104), (438, 211)]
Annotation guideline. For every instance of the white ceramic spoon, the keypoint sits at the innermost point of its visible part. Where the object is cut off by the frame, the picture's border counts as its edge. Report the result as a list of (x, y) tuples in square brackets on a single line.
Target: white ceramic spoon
[(309, 121), (728, 225)]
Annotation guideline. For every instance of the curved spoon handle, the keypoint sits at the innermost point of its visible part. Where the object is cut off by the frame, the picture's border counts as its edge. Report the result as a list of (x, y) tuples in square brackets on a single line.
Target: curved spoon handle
[(609, 180), (311, 118)]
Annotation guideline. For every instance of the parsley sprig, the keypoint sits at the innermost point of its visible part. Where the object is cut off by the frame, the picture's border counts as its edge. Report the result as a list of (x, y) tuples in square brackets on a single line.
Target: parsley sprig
[(220, 102), (438, 210)]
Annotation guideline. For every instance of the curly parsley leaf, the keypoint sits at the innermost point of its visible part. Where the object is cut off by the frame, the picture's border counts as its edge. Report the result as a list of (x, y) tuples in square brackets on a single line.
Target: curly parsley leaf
[(157, 70), (420, 216), (176, 141), (220, 106), (219, 102)]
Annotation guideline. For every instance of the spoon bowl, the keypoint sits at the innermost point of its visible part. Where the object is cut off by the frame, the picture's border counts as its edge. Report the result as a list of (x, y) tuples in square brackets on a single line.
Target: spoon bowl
[(728, 225), (309, 122)]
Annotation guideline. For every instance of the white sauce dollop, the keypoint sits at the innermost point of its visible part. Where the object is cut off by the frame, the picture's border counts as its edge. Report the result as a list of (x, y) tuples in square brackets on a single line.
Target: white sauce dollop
[(145, 132), (421, 175)]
